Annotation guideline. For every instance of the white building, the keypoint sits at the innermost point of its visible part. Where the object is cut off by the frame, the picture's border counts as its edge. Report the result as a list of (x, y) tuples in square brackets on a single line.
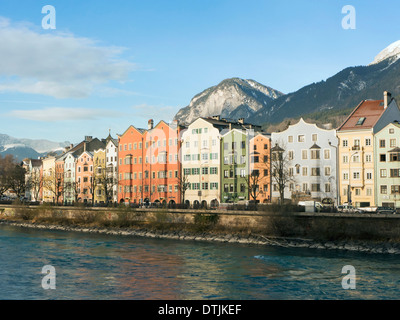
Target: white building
[(112, 166), (311, 154), (201, 167)]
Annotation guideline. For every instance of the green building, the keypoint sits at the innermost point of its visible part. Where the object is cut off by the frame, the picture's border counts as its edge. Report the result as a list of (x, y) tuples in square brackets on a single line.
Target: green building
[(387, 166), (234, 166)]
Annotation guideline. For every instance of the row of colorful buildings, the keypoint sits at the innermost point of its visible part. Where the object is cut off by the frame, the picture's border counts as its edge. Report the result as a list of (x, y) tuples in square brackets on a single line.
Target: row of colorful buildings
[(214, 160)]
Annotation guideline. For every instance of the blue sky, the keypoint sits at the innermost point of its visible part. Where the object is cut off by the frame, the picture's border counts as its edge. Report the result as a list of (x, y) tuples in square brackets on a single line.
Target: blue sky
[(110, 64)]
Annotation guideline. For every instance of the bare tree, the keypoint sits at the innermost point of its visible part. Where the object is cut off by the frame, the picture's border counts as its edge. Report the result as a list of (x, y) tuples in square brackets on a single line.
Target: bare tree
[(35, 183), (280, 175), (183, 185)]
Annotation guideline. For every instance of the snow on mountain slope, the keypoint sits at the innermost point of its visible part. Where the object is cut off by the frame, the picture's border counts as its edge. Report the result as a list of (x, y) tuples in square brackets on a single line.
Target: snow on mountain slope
[(392, 50)]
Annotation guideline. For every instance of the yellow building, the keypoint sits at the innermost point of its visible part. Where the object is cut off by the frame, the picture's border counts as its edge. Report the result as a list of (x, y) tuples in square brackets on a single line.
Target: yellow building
[(99, 177), (356, 149)]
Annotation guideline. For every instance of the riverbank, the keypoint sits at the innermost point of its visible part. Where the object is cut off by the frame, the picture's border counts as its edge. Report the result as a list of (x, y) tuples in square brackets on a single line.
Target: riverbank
[(371, 247)]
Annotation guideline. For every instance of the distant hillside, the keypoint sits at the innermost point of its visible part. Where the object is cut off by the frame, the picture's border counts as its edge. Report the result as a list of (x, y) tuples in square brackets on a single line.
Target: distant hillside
[(28, 148)]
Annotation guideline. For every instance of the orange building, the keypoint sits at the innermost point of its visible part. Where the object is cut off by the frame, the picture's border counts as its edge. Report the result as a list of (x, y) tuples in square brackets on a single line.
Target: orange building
[(149, 166), (260, 157), (59, 172), (84, 177)]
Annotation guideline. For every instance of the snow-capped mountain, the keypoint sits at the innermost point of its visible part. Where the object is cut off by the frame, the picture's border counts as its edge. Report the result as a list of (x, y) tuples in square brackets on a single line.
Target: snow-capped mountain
[(232, 98), (392, 51), (258, 104), (28, 148)]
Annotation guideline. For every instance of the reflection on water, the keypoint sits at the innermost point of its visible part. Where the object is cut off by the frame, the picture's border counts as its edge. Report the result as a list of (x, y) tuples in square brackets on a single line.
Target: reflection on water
[(91, 266)]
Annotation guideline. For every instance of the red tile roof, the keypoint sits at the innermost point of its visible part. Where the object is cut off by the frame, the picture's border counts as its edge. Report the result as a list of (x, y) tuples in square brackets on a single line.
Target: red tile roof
[(371, 110)]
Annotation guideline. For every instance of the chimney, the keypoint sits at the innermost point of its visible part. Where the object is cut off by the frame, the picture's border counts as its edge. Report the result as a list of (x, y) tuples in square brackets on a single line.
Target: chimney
[(150, 124), (216, 117), (88, 138), (241, 120), (387, 97)]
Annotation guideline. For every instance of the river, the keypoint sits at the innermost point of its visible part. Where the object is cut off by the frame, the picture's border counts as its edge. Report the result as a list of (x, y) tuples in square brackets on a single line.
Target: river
[(105, 267)]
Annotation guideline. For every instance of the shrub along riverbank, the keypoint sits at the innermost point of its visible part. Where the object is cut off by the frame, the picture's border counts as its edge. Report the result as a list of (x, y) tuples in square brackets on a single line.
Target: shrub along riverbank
[(365, 233)]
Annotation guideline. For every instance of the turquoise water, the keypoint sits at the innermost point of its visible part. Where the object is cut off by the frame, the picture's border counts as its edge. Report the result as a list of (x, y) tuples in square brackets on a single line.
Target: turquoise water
[(93, 267)]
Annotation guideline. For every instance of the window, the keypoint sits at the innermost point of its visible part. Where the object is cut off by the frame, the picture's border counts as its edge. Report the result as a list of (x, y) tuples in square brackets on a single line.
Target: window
[(356, 158), (226, 173), (315, 187), (314, 137), (204, 186), (305, 169), (382, 143), (368, 141), (291, 155), (345, 159), (383, 173), (204, 170), (394, 157), (391, 130), (382, 157), (369, 175), (369, 192), (226, 188), (214, 186), (304, 154), (394, 173), (327, 187), (315, 172), (305, 187), (395, 189), (358, 191), (383, 189), (356, 175), (265, 146), (327, 154), (368, 158), (195, 171), (360, 121), (290, 139), (327, 171), (213, 170), (301, 138), (392, 143), (345, 143), (315, 154)]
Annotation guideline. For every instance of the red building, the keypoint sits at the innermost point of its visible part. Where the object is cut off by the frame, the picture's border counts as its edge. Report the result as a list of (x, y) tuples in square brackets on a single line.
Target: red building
[(149, 164)]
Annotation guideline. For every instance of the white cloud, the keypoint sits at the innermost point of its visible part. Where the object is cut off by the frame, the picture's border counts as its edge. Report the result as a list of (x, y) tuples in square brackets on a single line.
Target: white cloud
[(57, 64), (63, 114)]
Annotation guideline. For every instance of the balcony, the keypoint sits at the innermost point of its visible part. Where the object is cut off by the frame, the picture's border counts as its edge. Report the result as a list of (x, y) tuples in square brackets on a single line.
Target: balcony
[(356, 148)]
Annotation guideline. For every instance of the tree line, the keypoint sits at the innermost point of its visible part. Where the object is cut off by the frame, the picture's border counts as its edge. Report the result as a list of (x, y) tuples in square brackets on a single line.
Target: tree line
[(12, 176)]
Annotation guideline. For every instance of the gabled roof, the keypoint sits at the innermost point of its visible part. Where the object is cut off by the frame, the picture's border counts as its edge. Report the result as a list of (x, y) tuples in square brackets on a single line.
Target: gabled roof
[(364, 116)]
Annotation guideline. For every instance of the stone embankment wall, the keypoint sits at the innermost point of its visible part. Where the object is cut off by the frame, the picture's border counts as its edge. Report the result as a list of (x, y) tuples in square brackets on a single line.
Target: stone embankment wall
[(355, 232)]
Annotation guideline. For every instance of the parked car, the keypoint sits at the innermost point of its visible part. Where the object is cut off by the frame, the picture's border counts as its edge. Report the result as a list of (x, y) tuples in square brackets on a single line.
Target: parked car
[(385, 210)]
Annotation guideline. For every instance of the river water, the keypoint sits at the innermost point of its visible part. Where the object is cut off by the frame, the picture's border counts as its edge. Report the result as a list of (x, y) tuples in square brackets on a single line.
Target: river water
[(93, 267)]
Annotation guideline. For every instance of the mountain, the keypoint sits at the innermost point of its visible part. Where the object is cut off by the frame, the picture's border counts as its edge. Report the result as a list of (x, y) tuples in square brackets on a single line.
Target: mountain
[(344, 90), (232, 98), (28, 148), (236, 98)]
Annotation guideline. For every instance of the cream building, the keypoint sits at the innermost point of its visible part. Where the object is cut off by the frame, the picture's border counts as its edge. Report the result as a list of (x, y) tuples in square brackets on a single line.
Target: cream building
[(356, 149)]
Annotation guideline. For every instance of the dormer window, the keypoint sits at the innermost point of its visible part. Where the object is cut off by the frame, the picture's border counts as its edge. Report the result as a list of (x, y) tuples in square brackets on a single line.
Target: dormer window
[(361, 121)]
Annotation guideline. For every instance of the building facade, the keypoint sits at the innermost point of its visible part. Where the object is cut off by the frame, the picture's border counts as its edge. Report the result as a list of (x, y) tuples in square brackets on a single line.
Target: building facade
[(356, 149), (387, 166), (311, 154), (235, 182), (260, 167)]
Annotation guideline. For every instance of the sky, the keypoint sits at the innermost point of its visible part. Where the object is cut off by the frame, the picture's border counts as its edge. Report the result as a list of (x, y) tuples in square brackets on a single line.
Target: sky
[(111, 64)]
